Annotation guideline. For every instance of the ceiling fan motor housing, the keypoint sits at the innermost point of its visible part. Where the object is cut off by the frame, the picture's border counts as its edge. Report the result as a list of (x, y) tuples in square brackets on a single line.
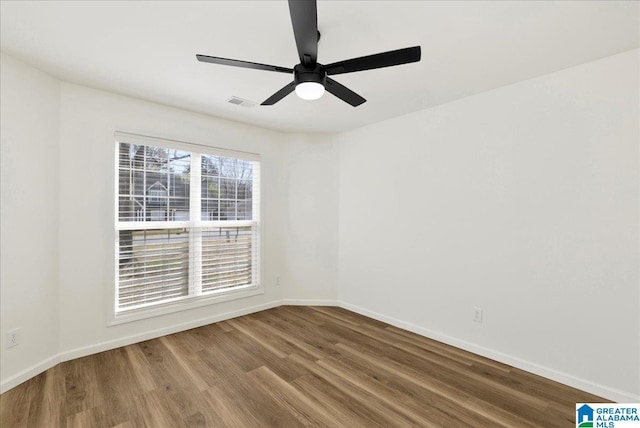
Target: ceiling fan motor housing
[(304, 73)]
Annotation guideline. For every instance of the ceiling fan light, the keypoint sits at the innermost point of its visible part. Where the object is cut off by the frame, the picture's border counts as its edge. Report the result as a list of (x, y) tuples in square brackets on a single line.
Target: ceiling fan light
[(309, 90)]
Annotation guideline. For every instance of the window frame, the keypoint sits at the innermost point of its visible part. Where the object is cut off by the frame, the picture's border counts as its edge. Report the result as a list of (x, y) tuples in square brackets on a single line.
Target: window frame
[(195, 223)]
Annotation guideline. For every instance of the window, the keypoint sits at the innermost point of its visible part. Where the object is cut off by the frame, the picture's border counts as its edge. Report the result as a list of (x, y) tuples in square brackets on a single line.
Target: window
[(187, 227)]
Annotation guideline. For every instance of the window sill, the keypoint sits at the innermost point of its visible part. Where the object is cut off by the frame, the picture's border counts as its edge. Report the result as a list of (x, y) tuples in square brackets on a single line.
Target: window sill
[(185, 304)]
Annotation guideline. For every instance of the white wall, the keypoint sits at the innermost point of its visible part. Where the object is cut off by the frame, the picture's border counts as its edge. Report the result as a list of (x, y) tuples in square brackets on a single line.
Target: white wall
[(29, 226), (310, 271), (522, 201)]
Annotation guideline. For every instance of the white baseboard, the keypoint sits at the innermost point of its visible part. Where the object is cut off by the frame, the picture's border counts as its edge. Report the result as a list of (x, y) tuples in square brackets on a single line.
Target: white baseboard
[(29, 373), (36, 369), (555, 375), (309, 302)]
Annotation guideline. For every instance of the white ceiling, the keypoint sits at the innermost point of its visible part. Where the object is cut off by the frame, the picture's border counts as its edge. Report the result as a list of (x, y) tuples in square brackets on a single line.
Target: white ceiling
[(147, 49)]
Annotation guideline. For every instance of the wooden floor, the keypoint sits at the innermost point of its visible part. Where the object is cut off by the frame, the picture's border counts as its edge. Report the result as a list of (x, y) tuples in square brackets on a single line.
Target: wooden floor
[(289, 367)]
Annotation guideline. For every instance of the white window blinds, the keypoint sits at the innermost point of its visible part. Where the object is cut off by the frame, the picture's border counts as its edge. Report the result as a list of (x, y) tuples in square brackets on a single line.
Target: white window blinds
[(187, 222)]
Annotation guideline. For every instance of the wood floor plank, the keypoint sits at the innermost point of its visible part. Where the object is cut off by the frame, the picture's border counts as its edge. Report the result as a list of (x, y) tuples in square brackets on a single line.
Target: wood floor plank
[(415, 366), (281, 366), (81, 384), (335, 402), (440, 407), (142, 378), (298, 344), (445, 349), (260, 338), (240, 402), (182, 358), (116, 390), (337, 315), (15, 404), (305, 410), (289, 366), (367, 401), (312, 336), (229, 412), (93, 417), (415, 370), (45, 406), (153, 409)]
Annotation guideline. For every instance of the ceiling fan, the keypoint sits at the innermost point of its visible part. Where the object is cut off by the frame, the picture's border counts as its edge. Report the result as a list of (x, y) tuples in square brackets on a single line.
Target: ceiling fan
[(310, 78)]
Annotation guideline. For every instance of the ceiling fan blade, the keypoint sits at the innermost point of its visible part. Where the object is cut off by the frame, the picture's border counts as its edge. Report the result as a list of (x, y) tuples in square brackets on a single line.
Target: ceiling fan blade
[(304, 17), (243, 64), (279, 95), (371, 62), (344, 93)]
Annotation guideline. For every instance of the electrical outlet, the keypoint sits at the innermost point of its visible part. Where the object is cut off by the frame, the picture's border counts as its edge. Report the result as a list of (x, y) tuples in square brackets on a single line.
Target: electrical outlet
[(13, 337), (477, 315), (278, 281)]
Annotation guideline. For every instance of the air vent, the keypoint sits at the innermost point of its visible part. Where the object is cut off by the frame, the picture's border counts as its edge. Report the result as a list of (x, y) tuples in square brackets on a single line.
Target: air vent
[(241, 102)]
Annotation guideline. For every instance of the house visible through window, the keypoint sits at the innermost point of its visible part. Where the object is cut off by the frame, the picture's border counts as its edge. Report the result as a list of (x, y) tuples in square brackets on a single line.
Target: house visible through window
[(187, 223)]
